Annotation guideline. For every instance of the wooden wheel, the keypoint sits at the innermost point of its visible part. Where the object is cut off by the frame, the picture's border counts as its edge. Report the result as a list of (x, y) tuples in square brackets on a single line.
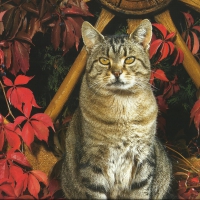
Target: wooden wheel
[(135, 7)]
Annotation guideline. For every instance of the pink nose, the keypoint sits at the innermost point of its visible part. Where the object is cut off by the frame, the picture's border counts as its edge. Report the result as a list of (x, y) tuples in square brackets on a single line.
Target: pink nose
[(117, 73)]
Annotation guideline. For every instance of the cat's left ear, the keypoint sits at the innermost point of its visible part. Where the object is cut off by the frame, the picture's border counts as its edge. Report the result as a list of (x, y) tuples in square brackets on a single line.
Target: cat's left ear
[(143, 33)]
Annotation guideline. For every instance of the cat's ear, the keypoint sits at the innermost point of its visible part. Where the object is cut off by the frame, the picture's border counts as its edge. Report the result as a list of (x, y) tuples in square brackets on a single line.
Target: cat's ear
[(90, 35), (143, 33)]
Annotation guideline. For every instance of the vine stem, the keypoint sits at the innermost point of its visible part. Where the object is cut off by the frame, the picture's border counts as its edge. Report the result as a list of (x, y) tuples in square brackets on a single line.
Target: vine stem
[(5, 3), (8, 106)]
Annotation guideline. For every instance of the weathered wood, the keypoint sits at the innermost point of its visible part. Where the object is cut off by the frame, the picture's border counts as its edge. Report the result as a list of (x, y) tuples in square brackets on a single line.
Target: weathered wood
[(194, 4), (75, 72), (132, 24), (189, 62), (135, 7)]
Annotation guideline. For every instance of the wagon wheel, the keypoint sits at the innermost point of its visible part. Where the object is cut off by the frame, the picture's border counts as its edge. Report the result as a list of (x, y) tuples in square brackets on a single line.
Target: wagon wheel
[(135, 11)]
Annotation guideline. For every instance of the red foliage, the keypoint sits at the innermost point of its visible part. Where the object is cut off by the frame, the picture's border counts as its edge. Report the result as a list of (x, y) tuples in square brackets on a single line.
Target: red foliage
[(195, 114), (162, 46), (190, 35), (20, 97), (21, 20), (34, 126)]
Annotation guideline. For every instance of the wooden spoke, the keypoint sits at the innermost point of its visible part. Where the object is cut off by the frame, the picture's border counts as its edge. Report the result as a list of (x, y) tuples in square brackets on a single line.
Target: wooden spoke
[(194, 4), (190, 63), (132, 24), (75, 72)]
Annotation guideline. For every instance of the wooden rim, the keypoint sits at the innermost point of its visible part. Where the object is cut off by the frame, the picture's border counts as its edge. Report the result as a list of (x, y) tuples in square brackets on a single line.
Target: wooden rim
[(135, 7)]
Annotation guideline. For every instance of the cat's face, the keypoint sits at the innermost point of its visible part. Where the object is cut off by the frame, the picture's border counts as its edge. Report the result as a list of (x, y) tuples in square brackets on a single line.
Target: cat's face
[(118, 62)]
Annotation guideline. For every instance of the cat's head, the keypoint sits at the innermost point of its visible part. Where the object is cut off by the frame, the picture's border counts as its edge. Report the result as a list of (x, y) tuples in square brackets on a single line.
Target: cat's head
[(117, 62)]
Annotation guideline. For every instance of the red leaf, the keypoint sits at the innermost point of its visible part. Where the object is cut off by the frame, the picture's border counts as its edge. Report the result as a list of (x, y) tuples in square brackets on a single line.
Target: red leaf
[(197, 120), (189, 19), (68, 37), (196, 28), (188, 42), (162, 103), (4, 169), (53, 186), (77, 29), (13, 139), (154, 47), (190, 194), (162, 29), (170, 36), (160, 74), (8, 189), (19, 120), (44, 118), (1, 138), (18, 157), (195, 108), (20, 56), (195, 47), (164, 51), (171, 47), (22, 79), (33, 186), (7, 81), (40, 130), (55, 35), (1, 57), (7, 54), (19, 95), (2, 14), (28, 134), (41, 176), (179, 57), (19, 177)]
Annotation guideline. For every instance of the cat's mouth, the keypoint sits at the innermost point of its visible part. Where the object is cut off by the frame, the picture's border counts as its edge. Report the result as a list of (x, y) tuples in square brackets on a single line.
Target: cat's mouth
[(117, 83)]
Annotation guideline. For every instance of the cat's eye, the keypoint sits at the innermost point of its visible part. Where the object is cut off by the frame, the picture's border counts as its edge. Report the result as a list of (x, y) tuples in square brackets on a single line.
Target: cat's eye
[(104, 61), (129, 60)]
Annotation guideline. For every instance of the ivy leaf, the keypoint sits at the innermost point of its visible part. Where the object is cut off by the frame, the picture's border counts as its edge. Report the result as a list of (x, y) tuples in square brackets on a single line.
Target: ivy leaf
[(8, 190), (179, 57), (20, 56), (195, 114), (18, 96), (41, 176), (33, 185), (11, 133), (4, 169), (159, 74), (55, 35), (189, 19), (195, 47), (161, 28), (19, 179), (35, 126), (18, 157)]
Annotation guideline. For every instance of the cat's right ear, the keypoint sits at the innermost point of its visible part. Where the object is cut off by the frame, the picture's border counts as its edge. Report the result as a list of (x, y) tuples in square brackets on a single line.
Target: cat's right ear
[(90, 35)]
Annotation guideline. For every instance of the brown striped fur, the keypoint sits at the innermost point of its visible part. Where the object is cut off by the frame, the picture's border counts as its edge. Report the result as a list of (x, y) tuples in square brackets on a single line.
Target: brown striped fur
[(111, 148)]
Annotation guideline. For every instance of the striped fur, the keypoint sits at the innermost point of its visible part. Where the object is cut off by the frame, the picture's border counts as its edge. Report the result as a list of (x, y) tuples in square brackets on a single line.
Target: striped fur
[(111, 148)]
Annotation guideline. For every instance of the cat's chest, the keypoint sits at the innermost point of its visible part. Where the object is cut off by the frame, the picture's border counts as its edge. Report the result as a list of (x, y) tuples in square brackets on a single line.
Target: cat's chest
[(120, 168)]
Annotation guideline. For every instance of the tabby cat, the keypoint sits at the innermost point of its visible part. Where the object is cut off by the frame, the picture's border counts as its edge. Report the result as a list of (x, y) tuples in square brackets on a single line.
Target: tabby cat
[(111, 148)]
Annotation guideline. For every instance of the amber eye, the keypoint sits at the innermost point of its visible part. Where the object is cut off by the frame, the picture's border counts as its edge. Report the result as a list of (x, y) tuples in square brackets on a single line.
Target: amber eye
[(129, 60), (104, 61)]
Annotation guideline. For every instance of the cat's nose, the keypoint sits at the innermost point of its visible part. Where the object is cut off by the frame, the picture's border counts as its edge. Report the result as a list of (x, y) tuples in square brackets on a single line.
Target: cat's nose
[(117, 73)]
